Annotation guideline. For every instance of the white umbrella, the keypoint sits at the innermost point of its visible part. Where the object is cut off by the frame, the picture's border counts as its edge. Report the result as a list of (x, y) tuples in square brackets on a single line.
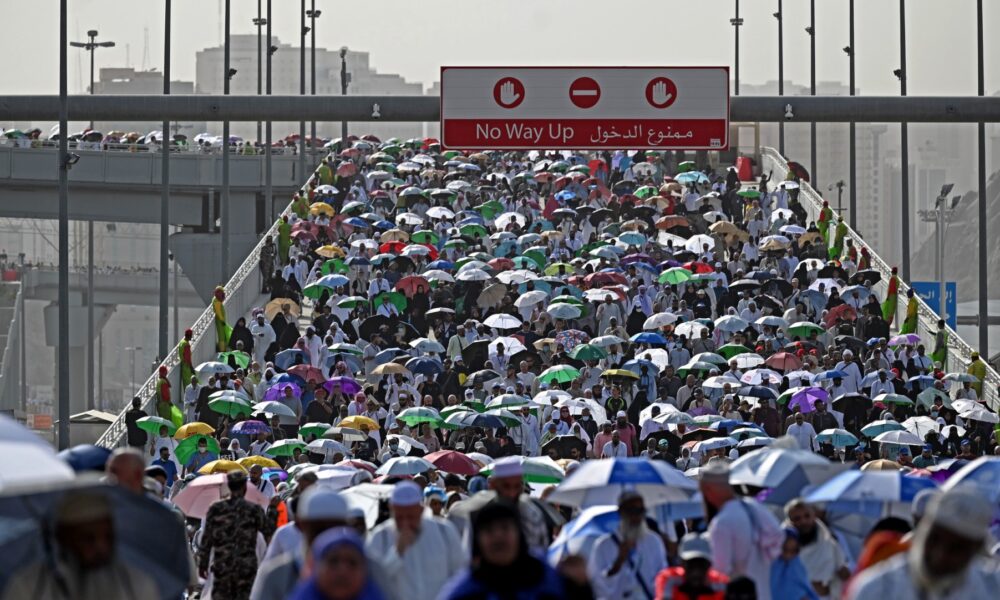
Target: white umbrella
[(210, 368), (405, 465), (502, 321), (647, 413), (271, 408), (546, 397), (600, 482), (406, 443), (771, 321), (730, 324), (516, 277), (606, 341), (474, 275), (920, 426), (27, 465), (367, 497), (979, 413), (690, 329), (426, 345), (439, 275), (772, 467), (511, 345), (749, 360), (440, 212), (899, 438), (530, 298), (657, 356), (674, 418), (758, 376), (505, 219), (695, 242), (714, 444), (328, 448), (576, 406), (659, 320), (564, 310)]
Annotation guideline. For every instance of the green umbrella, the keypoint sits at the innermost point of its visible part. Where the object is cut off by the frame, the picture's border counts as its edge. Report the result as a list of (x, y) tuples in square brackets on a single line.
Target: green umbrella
[(351, 302), (748, 193), (397, 299), (474, 230), (456, 243), (14, 133), (646, 191), (348, 348), (450, 154), (188, 447), (585, 250), (242, 359), (803, 329), (425, 237), (926, 398), (687, 165), (509, 418), (553, 269), (334, 265), (536, 470), (317, 429), (385, 166), (534, 256), (230, 406), (490, 209), (419, 414), (675, 276), (392, 149), (285, 447), (588, 352), (559, 374), (731, 350), (152, 425)]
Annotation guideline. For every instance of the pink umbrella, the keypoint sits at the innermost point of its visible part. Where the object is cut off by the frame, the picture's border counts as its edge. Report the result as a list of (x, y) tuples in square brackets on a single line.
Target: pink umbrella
[(451, 461), (196, 498), (307, 373)]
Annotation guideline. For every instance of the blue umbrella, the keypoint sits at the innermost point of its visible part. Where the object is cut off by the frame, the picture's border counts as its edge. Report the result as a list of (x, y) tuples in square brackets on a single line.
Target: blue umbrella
[(250, 428), (565, 196), (357, 261), (388, 355), (387, 225), (288, 378), (472, 221), (920, 382), (692, 177), (600, 482), (831, 374), (758, 391), (868, 492), (442, 265), (424, 365), (334, 280), (649, 337), (356, 222), (85, 457), (983, 473), (287, 358), (635, 365)]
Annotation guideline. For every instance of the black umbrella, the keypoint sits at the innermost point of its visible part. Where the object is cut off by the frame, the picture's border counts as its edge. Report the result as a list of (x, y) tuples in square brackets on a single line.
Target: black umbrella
[(623, 187), (148, 536), (847, 402), (742, 285), (484, 376), (564, 445), (832, 272), (599, 215), (372, 325), (476, 353), (673, 442), (533, 358), (763, 300), (869, 275), (779, 286), (857, 345)]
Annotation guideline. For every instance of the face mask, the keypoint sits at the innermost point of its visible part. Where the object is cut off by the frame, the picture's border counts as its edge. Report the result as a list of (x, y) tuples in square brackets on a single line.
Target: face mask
[(584, 418), (202, 450), (934, 413)]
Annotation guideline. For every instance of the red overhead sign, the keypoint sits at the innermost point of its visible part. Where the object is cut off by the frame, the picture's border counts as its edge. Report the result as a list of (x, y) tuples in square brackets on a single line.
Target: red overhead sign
[(513, 108)]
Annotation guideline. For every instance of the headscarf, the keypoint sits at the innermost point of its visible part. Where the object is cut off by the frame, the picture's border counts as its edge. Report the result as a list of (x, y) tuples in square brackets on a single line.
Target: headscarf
[(530, 571), (326, 543)]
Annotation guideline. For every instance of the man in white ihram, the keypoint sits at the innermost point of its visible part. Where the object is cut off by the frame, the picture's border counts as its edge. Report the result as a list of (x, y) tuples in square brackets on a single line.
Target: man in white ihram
[(944, 560), (417, 553), (624, 563)]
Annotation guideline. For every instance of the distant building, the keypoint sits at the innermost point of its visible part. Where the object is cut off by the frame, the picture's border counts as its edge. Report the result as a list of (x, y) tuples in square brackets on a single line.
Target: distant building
[(286, 80), (125, 81)]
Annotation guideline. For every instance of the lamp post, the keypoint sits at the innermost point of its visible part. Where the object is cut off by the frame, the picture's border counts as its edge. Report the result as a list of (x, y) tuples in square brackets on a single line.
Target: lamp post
[(984, 245), (852, 133), (840, 195), (63, 166), (24, 345), (131, 369), (941, 215), (259, 22), (313, 14), (92, 46), (302, 87), (737, 22), (811, 30), (268, 189), (904, 145), (781, 74), (345, 78), (165, 191), (227, 75)]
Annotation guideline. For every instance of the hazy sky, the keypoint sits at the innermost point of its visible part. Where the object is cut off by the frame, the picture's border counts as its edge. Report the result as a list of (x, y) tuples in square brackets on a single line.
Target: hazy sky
[(415, 38)]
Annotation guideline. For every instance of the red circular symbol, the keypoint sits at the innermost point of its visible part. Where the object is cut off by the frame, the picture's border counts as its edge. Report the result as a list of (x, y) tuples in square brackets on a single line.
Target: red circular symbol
[(584, 92), (508, 92), (661, 92)]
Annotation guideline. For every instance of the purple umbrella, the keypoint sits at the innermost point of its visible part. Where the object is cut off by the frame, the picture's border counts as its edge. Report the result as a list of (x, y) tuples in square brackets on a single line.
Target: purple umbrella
[(806, 399), (277, 392), (571, 338), (250, 428), (634, 258), (347, 385)]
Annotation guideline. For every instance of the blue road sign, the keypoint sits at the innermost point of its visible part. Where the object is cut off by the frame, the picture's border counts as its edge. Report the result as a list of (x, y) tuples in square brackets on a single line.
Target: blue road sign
[(929, 291)]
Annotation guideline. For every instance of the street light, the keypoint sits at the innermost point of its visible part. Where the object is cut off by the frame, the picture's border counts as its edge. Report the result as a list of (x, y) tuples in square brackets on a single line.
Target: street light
[(852, 133), (259, 22), (737, 22), (345, 78), (91, 46), (132, 365), (811, 30), (941, 215), (313, 14), (904, 145), (781, 74), (840, 194)]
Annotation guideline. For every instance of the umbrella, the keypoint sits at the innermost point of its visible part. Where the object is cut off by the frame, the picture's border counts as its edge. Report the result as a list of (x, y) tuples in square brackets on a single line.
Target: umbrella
[(424, 365), (190, 429), (285, 447), (563, 310), (405, 466), (502, 321), (807, 398), (783, 361), (356, 421), (979, 413), (983, 474), (82, 457), (307, 373), (564, 444), (539, 469), (230, 406), (328, 448), (878, 427), (839, 438), (419, 414), (347, 434), (450, 461), (588, 352), (600, 482), (868, 492), (899, 438), (258, 461), (189, 446), (152, 425), (208, 369), (199, 495), (784, 471), (921, 426), (221, 466)]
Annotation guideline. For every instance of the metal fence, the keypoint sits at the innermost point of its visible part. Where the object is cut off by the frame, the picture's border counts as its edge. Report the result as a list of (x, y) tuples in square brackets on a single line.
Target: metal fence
[(242, 294), (959, 352)]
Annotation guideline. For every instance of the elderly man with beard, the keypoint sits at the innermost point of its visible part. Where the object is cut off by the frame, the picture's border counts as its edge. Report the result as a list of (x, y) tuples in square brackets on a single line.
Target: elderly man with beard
[(944, 559), (625, 563), (819, 551)]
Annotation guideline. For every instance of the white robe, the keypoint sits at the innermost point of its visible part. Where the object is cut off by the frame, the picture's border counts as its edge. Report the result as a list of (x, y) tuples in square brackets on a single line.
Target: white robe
[(424, 568), (647, 559)]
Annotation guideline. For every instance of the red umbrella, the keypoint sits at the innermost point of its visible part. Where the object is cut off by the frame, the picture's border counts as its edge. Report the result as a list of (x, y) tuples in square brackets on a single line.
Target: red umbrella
[(698, 267), (307, 226), (391, 247), (349, 153), (451, 461), (303, 235), (843, 311), (347, 169), (501, 264), (308, 373), (408, 285), (799, 170), (358, 464), (604, 278), (784, 361)]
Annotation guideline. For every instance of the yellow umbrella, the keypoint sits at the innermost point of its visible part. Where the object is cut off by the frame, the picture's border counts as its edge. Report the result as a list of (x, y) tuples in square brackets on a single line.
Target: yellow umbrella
[(321, 208), (389, 369), (185, 431), (810, 237), (330, 251), (357, 421), (539, 344), (261, 461), (725, 228), (881, 465), (395, 235), (221, 466), (620, 373), (275, 306)]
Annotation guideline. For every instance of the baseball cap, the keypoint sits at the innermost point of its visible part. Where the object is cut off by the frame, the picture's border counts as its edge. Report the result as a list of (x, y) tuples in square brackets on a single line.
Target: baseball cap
[(695, 546), (904, 451), (320, 503)]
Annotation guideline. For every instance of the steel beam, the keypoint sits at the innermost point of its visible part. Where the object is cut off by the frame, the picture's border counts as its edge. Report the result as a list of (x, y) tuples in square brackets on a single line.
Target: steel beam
[(767, 109)]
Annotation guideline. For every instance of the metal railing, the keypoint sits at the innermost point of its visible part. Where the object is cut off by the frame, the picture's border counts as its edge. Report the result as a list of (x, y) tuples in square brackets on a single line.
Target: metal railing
[(959, 352), (10, 366), (242, 290)]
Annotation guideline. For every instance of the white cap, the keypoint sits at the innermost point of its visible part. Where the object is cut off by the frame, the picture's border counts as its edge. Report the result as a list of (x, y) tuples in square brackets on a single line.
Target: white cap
[(406, 493), (962, 511), (621, 414), (320, 503), (509, 466), (695, 546)]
